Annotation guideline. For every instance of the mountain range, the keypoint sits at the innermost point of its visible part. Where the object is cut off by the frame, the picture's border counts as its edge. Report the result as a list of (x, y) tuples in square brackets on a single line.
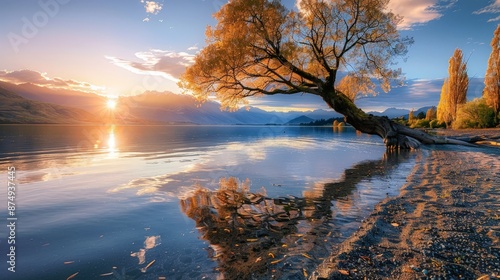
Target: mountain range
[(28, 103), (17, 109)]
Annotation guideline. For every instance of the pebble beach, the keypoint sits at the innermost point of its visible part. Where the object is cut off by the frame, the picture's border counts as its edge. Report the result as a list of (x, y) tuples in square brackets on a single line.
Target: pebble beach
[(445, 224)]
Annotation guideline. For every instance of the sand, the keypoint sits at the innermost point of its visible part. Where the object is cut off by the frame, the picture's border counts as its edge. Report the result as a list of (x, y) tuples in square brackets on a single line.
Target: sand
[(445, 224)]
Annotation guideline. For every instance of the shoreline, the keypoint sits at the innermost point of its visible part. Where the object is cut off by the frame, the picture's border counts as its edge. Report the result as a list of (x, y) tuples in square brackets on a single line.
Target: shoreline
[(445, 224)]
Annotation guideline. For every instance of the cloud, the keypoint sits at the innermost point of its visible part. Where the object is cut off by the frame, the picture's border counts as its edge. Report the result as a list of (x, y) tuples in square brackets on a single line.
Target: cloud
[(168, 64), (146, 20), (494, 19), (284, 103), (41, 79), (414, 12), (152, 7), (493, 8), (416, 94), (419, 12)]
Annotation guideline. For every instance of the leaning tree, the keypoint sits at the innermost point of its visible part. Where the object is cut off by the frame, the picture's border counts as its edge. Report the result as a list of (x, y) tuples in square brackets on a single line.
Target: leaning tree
[(259, 47)]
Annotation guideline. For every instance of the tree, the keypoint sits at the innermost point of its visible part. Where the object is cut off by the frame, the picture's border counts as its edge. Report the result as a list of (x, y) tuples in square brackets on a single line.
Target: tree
[(431, 114), (454, 90), (443, 115), (411, 116), (491, 92), (259, 47)]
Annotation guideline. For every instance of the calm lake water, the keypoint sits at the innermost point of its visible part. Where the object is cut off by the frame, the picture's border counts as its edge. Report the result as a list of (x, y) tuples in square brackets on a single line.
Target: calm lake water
[(105, 202)]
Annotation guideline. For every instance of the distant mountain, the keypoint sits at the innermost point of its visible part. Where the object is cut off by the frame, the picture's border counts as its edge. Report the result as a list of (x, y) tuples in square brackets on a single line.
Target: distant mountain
[(88, 101), (391, 113), (175, 108), (299, 120), (396, 113), (171, 107), (323, 114), (16, 109), (423, 110)]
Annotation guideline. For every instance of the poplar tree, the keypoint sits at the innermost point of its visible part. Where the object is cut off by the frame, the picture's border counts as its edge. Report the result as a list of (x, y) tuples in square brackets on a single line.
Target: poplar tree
[(491, 92), (443, 114), (454, 90)]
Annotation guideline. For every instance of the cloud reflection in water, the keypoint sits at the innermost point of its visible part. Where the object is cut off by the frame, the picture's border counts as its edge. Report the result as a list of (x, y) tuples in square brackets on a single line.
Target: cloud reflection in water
[(149, 243)]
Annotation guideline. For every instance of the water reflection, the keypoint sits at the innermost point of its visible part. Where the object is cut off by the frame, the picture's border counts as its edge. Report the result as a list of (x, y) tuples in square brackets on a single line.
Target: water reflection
[(112, 147), (253, 235), (149, 243), (74, 185)]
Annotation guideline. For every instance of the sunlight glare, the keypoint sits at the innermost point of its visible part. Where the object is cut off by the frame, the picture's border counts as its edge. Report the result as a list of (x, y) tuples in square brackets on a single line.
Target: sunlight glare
[(112, 148), (111, 104)]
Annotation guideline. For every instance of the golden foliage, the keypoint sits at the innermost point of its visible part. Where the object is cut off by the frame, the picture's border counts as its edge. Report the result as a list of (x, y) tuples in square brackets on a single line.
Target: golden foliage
[(454, 91), (258, 47), (411, 116), (354, 87), (443, 115), (491, 92), (431, 114)]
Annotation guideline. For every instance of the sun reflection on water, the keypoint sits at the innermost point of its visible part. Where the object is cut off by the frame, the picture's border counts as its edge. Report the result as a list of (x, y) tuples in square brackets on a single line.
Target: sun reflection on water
[(112, 147)]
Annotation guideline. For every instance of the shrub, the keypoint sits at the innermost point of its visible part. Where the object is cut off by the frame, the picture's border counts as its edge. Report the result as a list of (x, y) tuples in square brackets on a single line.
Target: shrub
[(401, 120), (423, 123), (475, 114), (437, 124)]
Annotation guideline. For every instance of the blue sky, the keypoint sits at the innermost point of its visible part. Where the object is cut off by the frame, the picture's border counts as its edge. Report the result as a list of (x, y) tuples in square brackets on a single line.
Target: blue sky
[(124, 47)]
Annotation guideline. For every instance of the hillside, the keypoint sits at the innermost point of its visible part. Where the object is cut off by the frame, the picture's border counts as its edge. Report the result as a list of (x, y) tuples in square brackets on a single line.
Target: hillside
[(45, 105), (16, 109), (87, 101)]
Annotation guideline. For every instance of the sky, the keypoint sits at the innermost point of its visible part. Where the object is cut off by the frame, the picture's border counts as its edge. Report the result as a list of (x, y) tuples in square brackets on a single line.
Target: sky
[(125, 47)]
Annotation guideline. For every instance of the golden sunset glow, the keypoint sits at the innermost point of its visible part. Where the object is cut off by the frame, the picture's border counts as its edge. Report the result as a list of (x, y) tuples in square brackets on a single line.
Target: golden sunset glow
[(111, 104)]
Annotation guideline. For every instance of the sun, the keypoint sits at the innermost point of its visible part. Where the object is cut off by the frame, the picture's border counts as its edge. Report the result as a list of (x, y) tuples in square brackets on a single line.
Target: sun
[(111, 104)]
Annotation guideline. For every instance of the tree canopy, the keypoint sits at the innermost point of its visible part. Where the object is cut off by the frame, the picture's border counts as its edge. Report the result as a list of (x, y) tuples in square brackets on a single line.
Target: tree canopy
[(259, 47)]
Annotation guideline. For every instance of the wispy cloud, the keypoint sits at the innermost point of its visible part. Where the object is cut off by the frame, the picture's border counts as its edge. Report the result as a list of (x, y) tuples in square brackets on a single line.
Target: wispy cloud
[(416, 94), (167, 64), (419, 12), (42, 79), (493, 8), (193, 48), (471, 41), (152, 7), (414, 12)]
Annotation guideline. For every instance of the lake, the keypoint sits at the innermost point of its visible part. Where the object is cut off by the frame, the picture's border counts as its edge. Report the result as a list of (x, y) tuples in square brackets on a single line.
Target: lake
[(137, 202)]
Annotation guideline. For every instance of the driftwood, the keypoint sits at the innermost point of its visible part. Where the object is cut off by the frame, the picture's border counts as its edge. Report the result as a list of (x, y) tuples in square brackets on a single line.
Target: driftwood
[(491, 138), (482, 140)]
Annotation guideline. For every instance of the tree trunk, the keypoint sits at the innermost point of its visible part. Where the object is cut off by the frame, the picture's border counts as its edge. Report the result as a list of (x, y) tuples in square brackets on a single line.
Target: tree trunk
[(396, 136)]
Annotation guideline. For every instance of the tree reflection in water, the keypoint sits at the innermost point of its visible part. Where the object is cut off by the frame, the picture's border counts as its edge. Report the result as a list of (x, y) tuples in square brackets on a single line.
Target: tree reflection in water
[(255, 236)]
